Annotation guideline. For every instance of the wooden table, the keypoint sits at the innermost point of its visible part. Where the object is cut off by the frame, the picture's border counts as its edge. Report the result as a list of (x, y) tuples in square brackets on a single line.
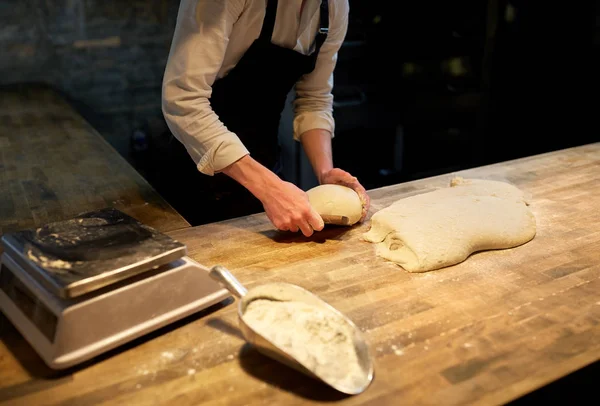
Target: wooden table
[(486, 331), (54, 165)]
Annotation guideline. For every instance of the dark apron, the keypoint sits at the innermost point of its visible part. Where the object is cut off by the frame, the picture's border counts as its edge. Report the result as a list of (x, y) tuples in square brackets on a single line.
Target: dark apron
[(249, 100)]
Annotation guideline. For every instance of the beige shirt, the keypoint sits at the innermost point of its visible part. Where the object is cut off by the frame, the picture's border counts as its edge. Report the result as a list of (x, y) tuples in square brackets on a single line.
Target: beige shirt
[(210, 38)]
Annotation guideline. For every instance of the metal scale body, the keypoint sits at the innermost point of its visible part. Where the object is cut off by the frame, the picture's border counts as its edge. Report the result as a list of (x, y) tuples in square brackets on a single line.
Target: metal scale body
[(78, 288)]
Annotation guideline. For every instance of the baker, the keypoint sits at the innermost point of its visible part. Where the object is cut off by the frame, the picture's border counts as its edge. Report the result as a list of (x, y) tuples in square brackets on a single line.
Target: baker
[(230, 68)]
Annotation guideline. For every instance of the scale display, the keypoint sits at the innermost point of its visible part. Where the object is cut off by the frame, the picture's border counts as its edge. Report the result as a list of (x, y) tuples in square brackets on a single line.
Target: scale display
[(32, 307)]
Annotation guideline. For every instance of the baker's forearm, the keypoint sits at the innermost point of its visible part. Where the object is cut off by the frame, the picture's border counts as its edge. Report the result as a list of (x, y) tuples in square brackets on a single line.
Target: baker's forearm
[(285, 204), (253, 176), (317, 145)]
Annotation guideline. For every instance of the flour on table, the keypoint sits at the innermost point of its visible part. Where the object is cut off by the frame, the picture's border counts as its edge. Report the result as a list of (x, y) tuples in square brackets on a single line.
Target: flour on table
[(444, 227), (321, 341), (167, 355)]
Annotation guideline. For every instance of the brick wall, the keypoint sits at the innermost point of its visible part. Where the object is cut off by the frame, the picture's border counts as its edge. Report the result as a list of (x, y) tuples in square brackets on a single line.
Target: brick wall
[(107, 56)]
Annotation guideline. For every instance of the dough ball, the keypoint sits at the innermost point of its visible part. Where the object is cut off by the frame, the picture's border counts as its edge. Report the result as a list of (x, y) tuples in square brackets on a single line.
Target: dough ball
[(336, 200)]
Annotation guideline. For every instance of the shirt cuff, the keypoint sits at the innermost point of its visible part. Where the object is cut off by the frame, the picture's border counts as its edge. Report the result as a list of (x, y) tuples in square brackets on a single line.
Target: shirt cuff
[(311, 120), (229, 150)]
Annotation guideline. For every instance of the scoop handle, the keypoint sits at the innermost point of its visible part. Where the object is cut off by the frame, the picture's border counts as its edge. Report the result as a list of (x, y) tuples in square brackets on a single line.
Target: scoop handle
[(226, 278)]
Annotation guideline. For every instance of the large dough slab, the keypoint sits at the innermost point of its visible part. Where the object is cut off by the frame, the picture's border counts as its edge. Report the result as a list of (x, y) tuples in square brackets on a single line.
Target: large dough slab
[(444, 227)]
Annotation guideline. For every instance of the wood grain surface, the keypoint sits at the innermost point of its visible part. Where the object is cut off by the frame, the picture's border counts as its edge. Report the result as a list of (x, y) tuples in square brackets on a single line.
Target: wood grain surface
[(486, 331), (54, 165)]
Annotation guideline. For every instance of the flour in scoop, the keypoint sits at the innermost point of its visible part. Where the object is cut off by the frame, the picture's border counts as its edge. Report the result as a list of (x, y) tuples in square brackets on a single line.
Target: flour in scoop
[(321, 341)]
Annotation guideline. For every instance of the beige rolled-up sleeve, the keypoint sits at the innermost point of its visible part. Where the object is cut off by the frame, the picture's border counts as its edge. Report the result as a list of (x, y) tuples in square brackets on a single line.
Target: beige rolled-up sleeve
[(196, 55), (313, 105)]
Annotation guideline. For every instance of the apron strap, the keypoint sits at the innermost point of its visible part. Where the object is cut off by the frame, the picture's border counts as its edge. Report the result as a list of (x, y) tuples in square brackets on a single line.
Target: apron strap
[(324, 26), (269, 22)]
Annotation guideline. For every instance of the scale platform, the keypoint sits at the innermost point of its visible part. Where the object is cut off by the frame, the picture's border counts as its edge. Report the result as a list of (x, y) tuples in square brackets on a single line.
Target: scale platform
[(78, 288)]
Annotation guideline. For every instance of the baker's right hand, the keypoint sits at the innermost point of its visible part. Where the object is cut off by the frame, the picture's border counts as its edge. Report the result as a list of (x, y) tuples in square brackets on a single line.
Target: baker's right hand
[(289, 209), (286, 205)]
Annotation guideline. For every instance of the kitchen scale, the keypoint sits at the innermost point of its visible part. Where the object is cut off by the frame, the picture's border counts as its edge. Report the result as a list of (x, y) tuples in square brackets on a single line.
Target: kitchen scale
[(78, 288)]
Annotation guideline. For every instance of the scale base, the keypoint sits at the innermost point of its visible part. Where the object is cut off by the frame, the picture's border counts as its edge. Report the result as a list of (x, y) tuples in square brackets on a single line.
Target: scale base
[(66, 332)]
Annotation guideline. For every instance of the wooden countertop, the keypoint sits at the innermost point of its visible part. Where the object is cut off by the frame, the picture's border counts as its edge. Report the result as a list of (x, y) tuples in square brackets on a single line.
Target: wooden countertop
[(485, 331), (54, 165)]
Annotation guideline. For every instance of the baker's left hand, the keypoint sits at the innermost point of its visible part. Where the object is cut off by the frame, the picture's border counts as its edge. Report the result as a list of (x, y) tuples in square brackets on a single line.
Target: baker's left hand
[(337, 176)]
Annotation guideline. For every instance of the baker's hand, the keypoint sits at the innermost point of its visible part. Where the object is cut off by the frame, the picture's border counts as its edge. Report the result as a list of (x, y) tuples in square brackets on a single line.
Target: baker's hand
[(288, 208), (338, 176)]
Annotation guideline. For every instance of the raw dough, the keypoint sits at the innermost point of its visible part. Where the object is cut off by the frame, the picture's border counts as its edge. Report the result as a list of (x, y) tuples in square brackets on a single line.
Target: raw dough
[(336, 200), (443, 227)]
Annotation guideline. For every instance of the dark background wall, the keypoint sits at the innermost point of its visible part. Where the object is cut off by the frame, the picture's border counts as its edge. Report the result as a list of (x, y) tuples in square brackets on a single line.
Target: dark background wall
[(108, 56)]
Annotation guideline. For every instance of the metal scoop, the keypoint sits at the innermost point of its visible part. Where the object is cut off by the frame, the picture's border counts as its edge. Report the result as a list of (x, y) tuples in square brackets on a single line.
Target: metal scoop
[(288, 292)]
